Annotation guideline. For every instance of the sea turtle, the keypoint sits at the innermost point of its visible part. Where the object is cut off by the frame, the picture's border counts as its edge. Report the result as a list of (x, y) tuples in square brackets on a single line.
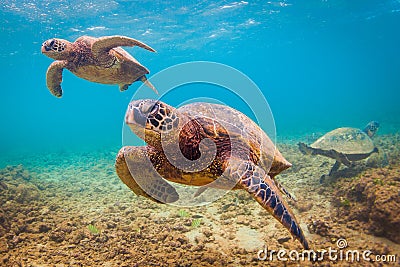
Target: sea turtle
[(345, 145), (245, 157), (100, 60)]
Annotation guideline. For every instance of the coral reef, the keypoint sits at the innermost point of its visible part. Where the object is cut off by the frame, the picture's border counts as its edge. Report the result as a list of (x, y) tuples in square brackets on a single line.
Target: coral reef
[(373, 202), (48, 203)]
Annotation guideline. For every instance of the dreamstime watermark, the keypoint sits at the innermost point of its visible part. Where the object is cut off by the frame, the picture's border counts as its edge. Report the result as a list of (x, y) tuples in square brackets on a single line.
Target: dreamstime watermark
[(339, 253)]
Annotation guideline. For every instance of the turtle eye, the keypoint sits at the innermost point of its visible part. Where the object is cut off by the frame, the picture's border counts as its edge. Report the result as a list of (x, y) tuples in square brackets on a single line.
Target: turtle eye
[(154, 109), (48, 45), (142, 107), (148, 107)]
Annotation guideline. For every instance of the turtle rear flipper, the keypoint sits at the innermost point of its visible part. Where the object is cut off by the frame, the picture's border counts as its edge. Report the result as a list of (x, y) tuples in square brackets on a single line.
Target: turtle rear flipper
[(263, 189), (123, 87), (148, 84), (340, 158), (146, 182)]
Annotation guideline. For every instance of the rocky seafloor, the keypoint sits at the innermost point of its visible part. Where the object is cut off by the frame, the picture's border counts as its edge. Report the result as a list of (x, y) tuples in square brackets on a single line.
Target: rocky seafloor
[(71, 209)]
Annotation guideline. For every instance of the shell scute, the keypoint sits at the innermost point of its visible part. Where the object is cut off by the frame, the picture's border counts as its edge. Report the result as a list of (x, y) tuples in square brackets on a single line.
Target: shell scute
[(345, 140)]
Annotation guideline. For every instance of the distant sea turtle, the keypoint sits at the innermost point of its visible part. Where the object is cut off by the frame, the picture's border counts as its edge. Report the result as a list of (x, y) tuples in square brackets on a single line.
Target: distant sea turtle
[(245, 157), (345, 145), (98, 60)]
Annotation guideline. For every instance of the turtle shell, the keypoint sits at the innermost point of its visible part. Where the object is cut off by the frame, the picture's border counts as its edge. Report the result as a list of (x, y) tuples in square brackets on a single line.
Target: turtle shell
[(345, 140), (125, 70), (239, 126)]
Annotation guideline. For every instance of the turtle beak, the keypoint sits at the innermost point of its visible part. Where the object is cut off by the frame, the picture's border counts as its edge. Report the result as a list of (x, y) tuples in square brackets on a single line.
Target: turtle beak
[(48, 45), (139, 111), (45, 48), (134, 116), (136, 121)]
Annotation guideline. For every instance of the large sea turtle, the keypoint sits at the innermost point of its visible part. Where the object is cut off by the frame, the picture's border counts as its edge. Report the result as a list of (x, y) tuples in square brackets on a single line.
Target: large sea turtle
[(244, 156), (345, 145), (100, 60)]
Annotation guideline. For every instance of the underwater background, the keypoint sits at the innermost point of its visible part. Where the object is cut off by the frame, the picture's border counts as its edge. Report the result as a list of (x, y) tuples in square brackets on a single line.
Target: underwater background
[(321, 64)]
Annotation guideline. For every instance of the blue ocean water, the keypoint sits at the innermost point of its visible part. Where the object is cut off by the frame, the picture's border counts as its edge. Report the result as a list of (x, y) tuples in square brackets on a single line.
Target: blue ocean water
[(320, 64)]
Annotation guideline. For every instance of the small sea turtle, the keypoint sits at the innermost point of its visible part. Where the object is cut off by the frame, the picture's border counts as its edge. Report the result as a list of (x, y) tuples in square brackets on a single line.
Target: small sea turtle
[(245, 157), (345, 145), (100, 60)]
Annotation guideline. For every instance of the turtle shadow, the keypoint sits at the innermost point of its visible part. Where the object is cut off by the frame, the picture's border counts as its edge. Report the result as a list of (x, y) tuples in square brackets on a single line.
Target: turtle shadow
[(346, 172)]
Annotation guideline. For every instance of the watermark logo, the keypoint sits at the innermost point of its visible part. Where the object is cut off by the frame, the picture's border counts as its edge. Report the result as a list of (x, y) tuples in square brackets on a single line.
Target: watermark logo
[(341, 243), (338, 253)]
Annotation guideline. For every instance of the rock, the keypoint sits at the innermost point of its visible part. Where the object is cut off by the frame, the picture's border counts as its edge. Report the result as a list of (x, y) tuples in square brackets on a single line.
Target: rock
[(57, 236), (207, 232), (26, 193), (77, 236), (241, 219), (3, 186), (377, 160), (3, 246), (4, 223), (111, 225), (44, 228), (319, 227), (304, 206), (25, 175)]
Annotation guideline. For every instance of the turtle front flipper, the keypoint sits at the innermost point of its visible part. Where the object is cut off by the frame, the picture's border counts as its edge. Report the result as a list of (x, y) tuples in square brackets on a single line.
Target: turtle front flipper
[(335, 167), (305, 149), (340, 158), (263, 189), (104, 44), (54, 77), (333, 170), (135, 169)]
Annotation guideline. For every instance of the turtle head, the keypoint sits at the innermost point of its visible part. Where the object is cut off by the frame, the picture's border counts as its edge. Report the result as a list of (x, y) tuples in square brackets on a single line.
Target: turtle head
[(371, 128), (57, 49), (149, 118)]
